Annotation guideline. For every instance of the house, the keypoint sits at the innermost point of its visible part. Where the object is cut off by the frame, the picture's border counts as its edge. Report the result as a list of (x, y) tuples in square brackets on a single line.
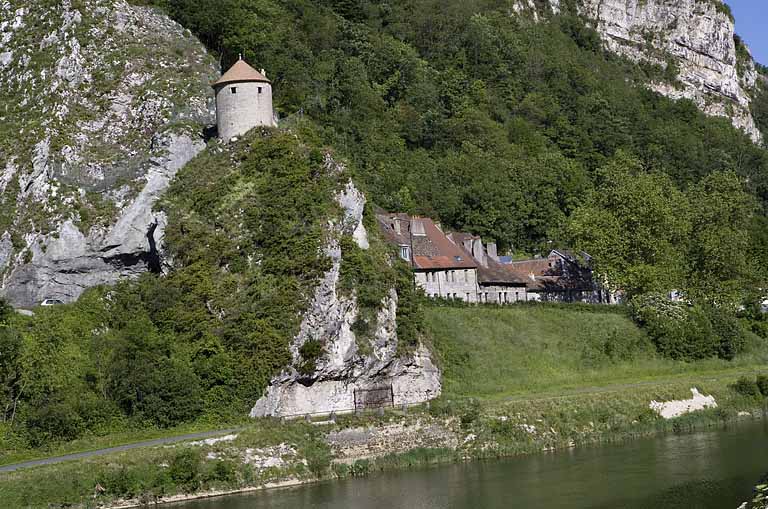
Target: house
[(496, 282), (459, 266), (441, 267), (561, 277)]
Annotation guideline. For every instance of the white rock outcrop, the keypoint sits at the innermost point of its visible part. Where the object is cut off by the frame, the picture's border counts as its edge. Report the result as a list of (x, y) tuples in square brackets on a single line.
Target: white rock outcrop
[(698, 35), (344, 368), (676, 408), (109, 101)]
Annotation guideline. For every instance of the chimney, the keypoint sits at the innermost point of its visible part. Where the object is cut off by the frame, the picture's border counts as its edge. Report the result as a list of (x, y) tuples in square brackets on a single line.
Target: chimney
[(491, 249), (396, 226), (417, 228), (479, 253)]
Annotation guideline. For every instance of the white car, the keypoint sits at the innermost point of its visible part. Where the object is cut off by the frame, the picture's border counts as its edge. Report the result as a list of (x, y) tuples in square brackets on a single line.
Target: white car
[(51, 302)]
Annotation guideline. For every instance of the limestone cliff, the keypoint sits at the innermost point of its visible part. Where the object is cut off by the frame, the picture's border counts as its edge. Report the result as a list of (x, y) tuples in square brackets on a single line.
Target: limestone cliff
[(101, 102), (696, 36), (345, 367)]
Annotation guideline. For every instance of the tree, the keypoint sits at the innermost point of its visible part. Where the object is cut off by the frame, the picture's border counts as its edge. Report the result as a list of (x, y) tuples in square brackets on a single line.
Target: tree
[(145, 381), (722, 268), (10, 368), (635, 226)]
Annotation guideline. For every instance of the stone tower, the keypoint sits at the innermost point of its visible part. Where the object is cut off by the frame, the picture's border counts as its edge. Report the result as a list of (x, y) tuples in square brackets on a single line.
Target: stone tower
[(243, 101)]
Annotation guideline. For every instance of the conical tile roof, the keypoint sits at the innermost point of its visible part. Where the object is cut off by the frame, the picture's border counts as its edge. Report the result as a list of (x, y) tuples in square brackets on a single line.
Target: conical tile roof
[(239, 72)]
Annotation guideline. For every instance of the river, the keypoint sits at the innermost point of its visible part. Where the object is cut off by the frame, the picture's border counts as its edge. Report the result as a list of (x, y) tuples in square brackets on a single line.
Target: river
[(712, 469)]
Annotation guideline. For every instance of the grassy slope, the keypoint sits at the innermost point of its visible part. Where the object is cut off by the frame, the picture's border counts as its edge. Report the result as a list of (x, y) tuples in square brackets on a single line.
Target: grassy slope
[(494, 353), (546, 377)]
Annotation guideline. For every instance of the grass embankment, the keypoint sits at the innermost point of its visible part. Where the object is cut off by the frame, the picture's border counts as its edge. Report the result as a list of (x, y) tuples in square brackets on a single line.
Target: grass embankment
[(147, 474), (93, 443), (516, 381), (525, 351)]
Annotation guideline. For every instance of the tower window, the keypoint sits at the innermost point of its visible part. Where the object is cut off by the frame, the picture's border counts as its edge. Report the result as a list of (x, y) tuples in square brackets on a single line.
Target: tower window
[(233, 90), (259, 89)]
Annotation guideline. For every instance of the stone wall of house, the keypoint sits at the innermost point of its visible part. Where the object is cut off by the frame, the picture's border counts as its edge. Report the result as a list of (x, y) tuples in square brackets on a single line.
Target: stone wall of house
[(494, 294), (458, 284)]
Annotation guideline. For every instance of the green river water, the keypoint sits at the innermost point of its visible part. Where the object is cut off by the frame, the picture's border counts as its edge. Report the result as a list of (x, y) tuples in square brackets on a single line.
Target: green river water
[(712, 469)]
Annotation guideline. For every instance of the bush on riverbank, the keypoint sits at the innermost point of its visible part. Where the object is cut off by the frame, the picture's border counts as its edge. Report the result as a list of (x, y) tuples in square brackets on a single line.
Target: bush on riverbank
[(685, 331)]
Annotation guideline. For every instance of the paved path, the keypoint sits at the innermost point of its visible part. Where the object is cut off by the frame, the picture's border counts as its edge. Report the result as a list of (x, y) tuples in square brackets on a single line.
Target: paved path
[(119, 448), (563, 393)]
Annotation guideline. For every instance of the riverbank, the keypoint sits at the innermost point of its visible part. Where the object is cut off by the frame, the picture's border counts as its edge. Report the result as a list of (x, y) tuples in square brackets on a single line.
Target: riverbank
[(516, 381), (269, 453)]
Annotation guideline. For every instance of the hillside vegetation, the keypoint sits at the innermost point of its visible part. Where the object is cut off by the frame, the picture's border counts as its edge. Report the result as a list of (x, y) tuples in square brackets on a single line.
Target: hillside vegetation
[(527, 133), (490, 352), (248, 224)]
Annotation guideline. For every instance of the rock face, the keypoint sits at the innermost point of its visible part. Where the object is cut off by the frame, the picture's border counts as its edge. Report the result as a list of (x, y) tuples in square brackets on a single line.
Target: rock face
[(102, 104), (697, 36), (345, 367), (672, 409)]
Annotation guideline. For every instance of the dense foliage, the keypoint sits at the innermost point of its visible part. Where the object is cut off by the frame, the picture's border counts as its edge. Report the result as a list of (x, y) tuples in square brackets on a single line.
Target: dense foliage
[(504, 126), (689, 332), (525, 133), (647, 236), (246, 236)]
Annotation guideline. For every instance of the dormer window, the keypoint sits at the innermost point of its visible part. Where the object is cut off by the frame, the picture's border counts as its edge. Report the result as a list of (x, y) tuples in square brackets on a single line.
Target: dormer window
[(233, 90), (405, 253)]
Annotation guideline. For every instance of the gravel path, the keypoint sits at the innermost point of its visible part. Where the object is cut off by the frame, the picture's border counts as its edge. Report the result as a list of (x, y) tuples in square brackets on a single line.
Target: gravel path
[(119, 448)]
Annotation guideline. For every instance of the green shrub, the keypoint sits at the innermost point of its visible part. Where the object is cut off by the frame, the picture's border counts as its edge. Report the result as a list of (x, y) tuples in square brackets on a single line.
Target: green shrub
[(222, 471), (310, 352), (318, 456), (185, 469), (689, 331), (747, 387), (469, 413), (729, 332), (680, 331), (762, 384), (6, 311), (360, 468), (442, 407), (52, 422)]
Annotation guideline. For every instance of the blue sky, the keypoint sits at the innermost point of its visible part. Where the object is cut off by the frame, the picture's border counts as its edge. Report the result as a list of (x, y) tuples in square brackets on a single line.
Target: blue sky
[(752, 25)]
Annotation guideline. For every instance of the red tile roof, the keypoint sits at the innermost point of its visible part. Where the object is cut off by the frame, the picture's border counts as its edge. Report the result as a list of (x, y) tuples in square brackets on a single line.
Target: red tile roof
[(240, 72), (499, 273), (434, 250)]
